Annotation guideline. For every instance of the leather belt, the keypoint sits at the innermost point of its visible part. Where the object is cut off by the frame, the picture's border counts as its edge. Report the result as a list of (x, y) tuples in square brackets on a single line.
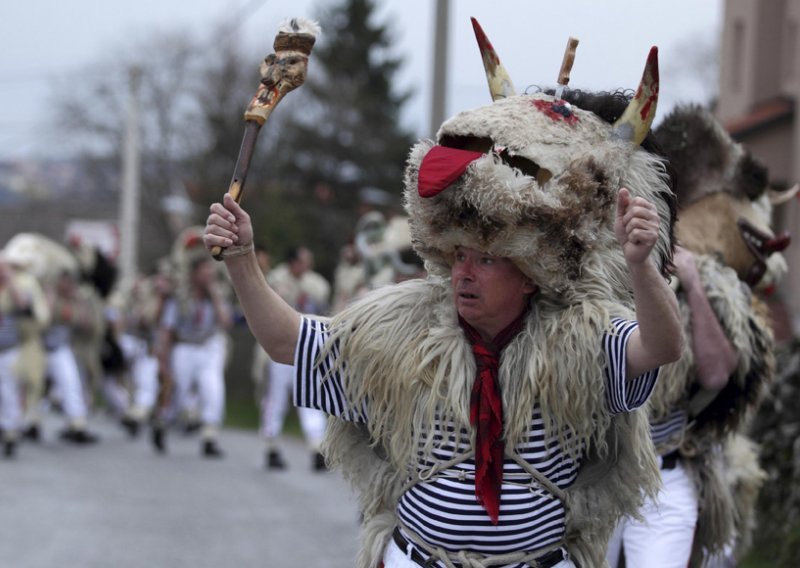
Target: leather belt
[(670, 460), (544, 561)]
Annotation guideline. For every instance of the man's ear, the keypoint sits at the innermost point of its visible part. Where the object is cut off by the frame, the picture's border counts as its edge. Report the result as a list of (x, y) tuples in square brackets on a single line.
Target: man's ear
[(530, 287)]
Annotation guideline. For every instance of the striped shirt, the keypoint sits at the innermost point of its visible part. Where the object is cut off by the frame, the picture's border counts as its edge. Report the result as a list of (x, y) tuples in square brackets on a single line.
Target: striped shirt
[(194, 321), (9, 331), (444, 510), (668, 432)]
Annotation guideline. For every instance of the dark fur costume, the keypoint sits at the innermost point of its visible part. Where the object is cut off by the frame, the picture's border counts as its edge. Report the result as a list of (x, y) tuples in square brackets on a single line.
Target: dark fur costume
[(719, 183)]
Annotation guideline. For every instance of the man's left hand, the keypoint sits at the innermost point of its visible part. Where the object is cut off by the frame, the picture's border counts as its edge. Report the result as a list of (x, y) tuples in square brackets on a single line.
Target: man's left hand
[(636, 226)]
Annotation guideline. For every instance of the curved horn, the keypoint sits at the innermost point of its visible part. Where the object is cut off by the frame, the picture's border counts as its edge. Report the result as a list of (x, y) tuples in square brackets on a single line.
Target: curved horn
[(500, 85), (634, 124), (781, 197)]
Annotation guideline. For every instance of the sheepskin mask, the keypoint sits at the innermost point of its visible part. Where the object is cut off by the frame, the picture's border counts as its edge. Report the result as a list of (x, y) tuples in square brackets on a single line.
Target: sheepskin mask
[(535, 179), (724, 199)]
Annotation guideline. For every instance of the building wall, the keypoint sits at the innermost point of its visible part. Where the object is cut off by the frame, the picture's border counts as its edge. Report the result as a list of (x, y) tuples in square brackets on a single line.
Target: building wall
[(737, 60), (775, 147), (760, 62), (759, 54)]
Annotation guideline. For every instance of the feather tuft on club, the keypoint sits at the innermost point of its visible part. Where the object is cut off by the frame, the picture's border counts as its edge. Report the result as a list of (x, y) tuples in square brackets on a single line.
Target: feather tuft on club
[(300, 26)]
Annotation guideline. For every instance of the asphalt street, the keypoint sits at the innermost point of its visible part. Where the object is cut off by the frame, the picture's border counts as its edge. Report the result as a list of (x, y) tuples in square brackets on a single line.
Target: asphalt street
[(119, 504)]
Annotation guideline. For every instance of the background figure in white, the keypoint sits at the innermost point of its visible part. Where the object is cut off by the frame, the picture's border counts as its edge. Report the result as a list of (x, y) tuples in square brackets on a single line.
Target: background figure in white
[(139, 309), (15, 303), (193, 344), (309, 293), (68, 313)]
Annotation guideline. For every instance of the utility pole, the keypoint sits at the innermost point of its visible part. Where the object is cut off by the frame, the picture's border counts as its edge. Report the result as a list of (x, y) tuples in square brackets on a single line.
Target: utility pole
[(131, 165), (439, 79)]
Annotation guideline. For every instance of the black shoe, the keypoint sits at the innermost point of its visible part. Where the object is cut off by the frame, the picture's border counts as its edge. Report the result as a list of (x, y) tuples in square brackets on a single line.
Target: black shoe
[(78, 436), (158, 437), (212, 450), (318, 462), (32, 433), (275, 460), (9, 448), (192, 427), (131, 426)]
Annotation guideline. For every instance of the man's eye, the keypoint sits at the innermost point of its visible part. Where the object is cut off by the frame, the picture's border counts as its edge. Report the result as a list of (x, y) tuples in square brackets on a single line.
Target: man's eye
[(487, 260)]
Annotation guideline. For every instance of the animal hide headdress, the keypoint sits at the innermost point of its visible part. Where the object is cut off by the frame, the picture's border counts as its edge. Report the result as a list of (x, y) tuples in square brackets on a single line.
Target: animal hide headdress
[(724, 218), (533, 178), (723, 208), (724, 196)]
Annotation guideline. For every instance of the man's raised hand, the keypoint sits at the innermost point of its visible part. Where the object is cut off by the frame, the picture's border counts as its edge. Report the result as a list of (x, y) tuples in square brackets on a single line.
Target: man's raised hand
[(636, 226), (227, 225)]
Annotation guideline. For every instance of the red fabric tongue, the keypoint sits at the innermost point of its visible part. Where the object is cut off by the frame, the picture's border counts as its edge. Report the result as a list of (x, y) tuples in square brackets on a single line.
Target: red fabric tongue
[(441, 166)]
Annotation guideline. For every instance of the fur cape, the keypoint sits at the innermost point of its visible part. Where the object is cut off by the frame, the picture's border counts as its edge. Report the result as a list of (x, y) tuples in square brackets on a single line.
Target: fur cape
[(707, 447), (407, 356)]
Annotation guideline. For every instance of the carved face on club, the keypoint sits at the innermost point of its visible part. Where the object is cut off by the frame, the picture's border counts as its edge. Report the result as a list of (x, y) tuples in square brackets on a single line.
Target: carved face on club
[(287, 70)]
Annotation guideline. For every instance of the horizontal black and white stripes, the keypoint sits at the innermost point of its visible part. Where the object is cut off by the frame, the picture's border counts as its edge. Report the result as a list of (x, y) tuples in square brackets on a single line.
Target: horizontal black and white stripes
[(622, 395), (317, 386), (443, 510), (668, 432)]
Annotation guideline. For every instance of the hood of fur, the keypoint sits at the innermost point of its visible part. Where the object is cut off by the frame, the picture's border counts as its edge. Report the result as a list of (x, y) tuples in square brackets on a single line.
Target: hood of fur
[(544, 195), (719, 183)]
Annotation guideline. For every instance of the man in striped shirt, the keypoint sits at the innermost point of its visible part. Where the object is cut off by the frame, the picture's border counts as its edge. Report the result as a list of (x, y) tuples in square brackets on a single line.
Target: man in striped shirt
[(486, 414), (490, 294)]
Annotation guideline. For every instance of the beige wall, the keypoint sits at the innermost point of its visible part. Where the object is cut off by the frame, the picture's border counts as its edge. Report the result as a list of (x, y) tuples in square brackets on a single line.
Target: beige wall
[(760, 61), (737, 59)]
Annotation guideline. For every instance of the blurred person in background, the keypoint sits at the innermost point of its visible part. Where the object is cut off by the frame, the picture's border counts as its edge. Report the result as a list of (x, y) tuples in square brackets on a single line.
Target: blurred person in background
[(20, 300), (309, 293), (192, 343), (138, 309), (71, 313)]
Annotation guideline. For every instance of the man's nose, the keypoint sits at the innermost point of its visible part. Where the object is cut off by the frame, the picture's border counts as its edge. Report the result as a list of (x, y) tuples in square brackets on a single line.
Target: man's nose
[(464, 270)]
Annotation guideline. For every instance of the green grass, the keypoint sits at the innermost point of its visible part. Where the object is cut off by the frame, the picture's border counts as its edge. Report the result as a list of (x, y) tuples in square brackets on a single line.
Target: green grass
[(754, 560), (241, 414), (244, 414)]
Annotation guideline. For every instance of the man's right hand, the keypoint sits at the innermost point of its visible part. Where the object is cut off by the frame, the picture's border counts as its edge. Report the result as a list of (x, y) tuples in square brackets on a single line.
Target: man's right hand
[(227, 225), (685, 267)]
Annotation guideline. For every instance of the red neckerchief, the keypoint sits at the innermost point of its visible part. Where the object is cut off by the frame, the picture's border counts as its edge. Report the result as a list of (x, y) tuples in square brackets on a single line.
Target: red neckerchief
[(486, 414)]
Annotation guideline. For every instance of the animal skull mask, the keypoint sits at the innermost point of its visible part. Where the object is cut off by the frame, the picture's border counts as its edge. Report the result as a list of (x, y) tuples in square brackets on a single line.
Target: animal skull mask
[(723, 196), (535, 179)]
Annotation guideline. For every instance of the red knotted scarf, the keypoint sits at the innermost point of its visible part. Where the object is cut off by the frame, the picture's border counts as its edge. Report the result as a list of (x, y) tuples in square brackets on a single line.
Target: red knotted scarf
[(486, 414)]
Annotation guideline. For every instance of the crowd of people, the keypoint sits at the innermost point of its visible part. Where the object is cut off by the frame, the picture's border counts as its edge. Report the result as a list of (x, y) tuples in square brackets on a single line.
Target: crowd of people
[(152, 353), (550, 362)]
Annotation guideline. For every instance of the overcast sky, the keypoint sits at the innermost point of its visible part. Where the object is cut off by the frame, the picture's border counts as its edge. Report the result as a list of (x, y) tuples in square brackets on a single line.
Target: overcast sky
[(41, 40)]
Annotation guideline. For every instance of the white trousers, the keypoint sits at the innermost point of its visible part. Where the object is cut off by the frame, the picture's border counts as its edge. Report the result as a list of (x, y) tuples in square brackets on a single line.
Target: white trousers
[(201, 366), (664, 539), (395, 557), (10, 393), (63, 370), (275, 405), (143, 372)]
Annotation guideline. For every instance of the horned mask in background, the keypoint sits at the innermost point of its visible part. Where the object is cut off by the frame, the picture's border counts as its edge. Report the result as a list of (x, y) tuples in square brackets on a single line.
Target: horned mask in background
[(724, 197)]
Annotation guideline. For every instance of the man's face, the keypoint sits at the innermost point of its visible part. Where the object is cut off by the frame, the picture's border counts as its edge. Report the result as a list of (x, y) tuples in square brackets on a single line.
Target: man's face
[(489, 291), (203, 273), (303, 262)]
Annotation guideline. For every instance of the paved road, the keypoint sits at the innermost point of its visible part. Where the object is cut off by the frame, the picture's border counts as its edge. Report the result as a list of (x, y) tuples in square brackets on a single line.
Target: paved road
[(119, 505)]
